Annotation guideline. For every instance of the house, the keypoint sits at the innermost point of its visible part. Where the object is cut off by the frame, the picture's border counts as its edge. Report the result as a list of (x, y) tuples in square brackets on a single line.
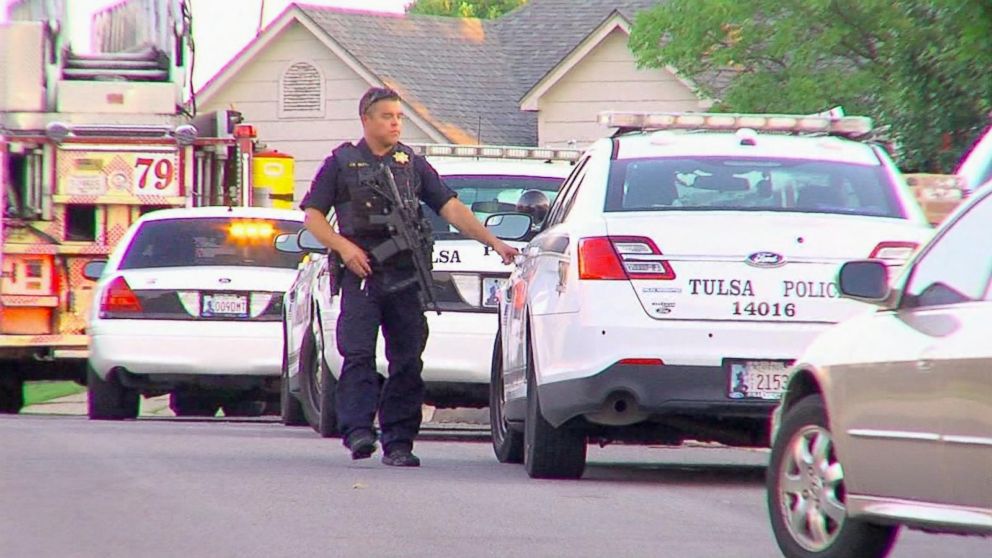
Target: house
[(536, 76)]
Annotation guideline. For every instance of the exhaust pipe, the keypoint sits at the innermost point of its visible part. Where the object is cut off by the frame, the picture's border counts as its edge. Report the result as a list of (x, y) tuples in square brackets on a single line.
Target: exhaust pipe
[(619, 409)]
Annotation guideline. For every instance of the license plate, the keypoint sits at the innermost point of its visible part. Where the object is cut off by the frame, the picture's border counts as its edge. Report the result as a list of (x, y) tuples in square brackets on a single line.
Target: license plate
[(757, 379), (490, 288), (227, 305)]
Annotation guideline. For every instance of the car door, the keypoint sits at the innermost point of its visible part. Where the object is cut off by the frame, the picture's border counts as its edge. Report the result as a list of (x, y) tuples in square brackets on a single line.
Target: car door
[(948, 292), (894, 406), (517, 294)]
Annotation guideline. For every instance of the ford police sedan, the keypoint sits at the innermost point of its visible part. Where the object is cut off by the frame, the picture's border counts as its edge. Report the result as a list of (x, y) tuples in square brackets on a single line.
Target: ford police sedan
[(688, 260), (887, 418), (490, 180), (190, 304)]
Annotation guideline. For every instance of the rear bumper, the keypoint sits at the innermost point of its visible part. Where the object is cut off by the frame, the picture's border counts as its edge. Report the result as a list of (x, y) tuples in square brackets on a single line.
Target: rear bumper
[(656, 391), (145, 347)]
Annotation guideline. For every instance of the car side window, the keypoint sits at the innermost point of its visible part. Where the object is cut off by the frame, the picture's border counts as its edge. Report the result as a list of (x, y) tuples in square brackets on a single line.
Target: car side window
[(555, 215), (958, 266)]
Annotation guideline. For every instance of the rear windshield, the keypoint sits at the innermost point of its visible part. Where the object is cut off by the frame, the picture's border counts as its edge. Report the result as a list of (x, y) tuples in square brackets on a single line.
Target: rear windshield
[(210, 242), (490, 194), (788, 185)]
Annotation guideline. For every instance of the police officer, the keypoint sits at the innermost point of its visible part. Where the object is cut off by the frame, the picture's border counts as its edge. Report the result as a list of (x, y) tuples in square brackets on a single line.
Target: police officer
[(369, 295)]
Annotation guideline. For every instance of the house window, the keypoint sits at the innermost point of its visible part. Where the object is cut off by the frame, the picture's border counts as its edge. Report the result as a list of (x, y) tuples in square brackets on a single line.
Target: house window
[(301, 91)]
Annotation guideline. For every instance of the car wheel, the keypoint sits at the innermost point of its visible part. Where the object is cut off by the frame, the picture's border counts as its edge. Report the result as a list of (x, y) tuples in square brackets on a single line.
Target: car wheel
[(806, 493), (508, 444), (109, 399), (11, 394), (192, 404), (290, 408), (317, 385), (549, 452)]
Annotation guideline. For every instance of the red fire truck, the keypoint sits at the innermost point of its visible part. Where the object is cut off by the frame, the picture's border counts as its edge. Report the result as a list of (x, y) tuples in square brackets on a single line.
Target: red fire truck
[(88, 143)]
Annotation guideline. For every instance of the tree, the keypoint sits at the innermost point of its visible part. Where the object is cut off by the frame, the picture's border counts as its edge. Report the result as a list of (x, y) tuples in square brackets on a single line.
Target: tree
[(917, 66), (484, 9)]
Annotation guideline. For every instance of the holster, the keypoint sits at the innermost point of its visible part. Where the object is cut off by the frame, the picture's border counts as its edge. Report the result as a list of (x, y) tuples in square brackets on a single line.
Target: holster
[(336, 271)]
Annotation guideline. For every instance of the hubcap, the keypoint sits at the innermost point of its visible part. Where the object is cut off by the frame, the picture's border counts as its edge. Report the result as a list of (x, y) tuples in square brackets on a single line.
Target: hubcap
[(811, 489)]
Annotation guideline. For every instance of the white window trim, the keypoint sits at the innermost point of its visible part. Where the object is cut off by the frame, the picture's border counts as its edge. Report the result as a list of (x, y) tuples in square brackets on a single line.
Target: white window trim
[(296, 114)]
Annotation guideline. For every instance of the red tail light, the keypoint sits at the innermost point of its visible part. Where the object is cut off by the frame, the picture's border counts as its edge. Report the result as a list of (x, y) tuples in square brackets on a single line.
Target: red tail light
[(894, 250), (598, 260), (622, 257), (642, 362), (119, 298)]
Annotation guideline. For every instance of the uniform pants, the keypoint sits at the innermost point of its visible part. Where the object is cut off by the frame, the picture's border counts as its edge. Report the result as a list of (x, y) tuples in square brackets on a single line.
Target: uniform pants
[(361, 391)]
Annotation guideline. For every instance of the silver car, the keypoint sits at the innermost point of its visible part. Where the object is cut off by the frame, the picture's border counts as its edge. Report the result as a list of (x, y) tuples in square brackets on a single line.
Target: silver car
[(887, 419)]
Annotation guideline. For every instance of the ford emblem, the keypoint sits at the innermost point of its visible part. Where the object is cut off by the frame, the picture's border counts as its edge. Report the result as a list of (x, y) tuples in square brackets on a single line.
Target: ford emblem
[(765, 259), (224, 280)]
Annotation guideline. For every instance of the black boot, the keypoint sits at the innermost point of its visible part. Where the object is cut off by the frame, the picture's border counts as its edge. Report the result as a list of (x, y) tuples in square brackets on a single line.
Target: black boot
[(361, 443), (400, 455)]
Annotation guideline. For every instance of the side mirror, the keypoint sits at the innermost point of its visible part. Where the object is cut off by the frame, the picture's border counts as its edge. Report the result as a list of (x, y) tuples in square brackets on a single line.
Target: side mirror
[(94, 269), (509, 226), (288, 243), (865, 280), (308, 242)]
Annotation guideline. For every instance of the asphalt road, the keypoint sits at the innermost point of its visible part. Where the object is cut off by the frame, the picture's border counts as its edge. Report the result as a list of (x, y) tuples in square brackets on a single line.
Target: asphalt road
[(214, 488)]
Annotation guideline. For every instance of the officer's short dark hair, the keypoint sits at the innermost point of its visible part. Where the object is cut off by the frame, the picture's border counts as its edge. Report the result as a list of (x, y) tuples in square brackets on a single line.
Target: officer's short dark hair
[(373, 96)]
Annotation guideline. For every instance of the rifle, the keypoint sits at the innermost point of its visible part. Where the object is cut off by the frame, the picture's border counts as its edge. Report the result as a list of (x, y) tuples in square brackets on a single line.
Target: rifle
[(407, 233)]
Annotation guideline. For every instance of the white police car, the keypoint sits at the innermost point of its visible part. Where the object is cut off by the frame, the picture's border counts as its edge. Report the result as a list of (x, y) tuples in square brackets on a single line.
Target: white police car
[(489, 180), (687, 261), (190, 303)]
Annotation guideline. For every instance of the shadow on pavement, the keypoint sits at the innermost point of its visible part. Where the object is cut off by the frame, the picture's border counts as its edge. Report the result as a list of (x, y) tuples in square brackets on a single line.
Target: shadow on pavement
[(676, 474)]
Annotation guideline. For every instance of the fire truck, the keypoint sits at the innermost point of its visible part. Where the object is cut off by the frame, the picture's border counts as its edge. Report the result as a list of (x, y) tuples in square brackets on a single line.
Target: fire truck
[(89, 143)]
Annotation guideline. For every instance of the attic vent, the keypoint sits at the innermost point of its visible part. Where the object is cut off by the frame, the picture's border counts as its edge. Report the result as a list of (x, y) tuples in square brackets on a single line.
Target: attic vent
[(301, 91)]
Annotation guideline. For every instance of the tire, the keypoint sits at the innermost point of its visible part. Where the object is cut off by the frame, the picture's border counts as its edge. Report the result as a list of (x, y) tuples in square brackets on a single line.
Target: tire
[(804, 429), (11, 394), (549, 452), (317, 387), (193, 404), (290, 408), (108, 399), (508, 444)]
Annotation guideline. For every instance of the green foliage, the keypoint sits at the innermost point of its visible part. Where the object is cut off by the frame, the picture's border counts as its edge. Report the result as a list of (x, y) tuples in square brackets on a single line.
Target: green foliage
[(483, 9), (39, 392), (918, 66)]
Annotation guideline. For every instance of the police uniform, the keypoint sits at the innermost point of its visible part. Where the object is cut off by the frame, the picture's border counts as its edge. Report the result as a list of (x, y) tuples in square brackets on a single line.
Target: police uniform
[(342, 183)]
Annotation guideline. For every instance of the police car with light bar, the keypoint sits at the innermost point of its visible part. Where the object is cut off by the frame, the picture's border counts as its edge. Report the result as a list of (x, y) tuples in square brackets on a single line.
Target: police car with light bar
[(490, 180), (190, 304), (687, 261)]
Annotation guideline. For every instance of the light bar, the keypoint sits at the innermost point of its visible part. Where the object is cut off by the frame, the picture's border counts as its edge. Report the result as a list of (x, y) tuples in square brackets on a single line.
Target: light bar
[(496, 152), (848, 126)]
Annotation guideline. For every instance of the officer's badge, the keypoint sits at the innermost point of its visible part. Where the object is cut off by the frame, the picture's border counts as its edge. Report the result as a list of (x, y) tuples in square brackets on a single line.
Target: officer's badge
[(401, 157)]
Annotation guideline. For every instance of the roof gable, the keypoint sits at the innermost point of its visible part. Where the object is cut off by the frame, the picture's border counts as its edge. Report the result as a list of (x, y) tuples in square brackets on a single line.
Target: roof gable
[(450, 70)]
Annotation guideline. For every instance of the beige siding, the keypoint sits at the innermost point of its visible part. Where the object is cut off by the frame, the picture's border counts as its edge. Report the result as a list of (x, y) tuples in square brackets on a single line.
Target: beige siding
[(255, 92), (606, 79)]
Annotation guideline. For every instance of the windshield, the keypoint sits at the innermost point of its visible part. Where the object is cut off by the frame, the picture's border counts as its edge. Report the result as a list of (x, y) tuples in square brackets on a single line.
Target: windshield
[(490, 194), (788, 185), (212, 241)]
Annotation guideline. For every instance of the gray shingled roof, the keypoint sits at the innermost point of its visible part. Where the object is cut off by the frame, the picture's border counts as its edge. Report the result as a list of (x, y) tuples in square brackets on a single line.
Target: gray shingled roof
[(469, 75), (539, 34), (451, 70)]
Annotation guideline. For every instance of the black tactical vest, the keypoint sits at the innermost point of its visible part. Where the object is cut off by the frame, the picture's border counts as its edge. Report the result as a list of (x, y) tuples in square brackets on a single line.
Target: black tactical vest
[(357, 180)]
